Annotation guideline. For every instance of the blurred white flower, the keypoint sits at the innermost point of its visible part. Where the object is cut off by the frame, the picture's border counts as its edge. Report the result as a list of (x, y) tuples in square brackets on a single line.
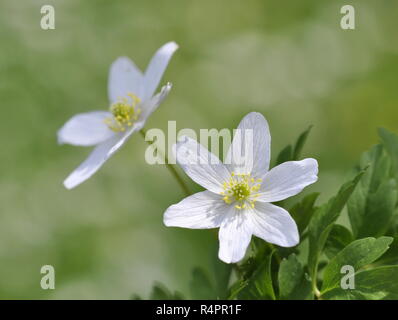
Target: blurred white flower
[(238, 195), (132, 99)]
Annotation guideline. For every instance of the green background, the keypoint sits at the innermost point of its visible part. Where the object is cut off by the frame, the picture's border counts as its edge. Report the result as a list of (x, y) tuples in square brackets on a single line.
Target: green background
[(289, 60)]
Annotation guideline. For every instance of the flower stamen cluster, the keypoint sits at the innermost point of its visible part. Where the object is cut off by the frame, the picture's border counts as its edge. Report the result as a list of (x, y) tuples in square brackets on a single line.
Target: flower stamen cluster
[(124, 113), (241, 189)]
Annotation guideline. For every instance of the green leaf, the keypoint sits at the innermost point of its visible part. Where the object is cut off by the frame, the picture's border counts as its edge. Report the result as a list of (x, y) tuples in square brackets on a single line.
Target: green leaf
[(372, 204), (259, 285), (303, 211), (393, 228), (374, 284), (300, 144), (222, 274), (293, 284), (290, 153), (160, 292), (339, 238), (201, 286), (390, 142), (237, 287), (391, 256), (322, 222), (285, 155), (357, 254)]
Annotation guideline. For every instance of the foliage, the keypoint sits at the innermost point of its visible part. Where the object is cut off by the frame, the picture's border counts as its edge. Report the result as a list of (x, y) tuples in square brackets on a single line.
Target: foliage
[(369, 245)]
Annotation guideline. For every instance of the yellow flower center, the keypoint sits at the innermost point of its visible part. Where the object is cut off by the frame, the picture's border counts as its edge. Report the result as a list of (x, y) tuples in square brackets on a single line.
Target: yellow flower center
[(124, 113), (241, 189)]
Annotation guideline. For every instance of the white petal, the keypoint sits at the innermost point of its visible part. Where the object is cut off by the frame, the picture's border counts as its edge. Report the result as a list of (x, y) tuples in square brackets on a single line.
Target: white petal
[(137, 126), (274, 224), (200, 165), (85, 129), (203, 210), (124, 78), (250, 148), (234, 235), (157, 67), (150, 106), (97, 158), (288, 179)]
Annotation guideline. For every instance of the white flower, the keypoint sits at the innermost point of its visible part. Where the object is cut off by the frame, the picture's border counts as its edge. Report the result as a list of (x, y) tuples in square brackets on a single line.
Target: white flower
[(132, 101), (238, 195)]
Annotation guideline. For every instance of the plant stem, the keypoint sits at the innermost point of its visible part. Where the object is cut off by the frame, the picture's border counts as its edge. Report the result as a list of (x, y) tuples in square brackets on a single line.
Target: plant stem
[(317, 293), (276, 253), (171, 168), (315, 289)]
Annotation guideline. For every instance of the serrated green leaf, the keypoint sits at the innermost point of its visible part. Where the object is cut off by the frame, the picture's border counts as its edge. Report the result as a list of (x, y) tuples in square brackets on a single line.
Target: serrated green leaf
[(303, 211), (259, 285), (322, 222), (357, 254), (300, 143), (339, 237), (200, 286), (160, 292), (374, 284), (261, 251), (293, 285), (372, 204)]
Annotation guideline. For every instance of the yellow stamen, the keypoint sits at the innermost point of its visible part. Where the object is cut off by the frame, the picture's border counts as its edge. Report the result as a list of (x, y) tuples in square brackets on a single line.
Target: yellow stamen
[(124, 113), (241, 189)]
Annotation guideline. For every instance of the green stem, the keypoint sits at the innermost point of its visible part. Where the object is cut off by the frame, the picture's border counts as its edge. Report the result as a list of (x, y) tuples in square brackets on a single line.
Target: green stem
[(315, 289), (276, 253), (171, 168), (317, 293)]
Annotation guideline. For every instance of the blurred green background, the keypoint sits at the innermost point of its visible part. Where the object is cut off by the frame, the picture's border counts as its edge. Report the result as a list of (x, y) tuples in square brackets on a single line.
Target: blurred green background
[(289, 60)]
